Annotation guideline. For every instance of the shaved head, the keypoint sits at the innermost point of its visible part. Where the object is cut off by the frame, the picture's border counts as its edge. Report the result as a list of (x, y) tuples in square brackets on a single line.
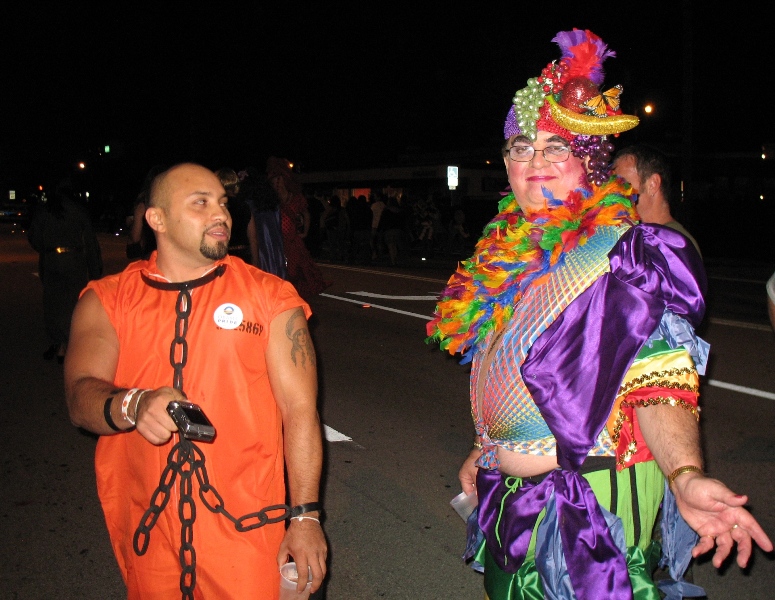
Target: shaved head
[(161, 186)]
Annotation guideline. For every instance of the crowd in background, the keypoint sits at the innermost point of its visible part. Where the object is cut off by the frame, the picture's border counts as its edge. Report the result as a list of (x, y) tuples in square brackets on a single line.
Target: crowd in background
[(385, 229), (378, 228)]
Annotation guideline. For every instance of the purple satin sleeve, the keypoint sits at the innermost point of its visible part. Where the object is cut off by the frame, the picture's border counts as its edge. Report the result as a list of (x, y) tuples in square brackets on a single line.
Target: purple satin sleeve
[(573, 372), (664, 263), (574, 369)]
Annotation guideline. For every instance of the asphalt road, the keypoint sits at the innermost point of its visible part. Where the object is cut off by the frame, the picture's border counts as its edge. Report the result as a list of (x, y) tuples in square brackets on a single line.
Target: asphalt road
[(400, 407)]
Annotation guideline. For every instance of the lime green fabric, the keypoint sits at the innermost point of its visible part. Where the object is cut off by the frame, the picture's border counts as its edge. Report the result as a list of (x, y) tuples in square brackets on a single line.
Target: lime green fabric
[(655, 347)]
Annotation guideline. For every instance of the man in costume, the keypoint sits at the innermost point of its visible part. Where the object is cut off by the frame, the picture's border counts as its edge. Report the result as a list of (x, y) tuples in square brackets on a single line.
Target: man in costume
[(204, 518), (647, 170), (579, 324)]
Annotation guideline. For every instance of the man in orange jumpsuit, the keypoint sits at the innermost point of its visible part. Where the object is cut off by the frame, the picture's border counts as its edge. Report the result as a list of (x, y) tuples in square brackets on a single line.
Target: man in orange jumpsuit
[(195, 324)]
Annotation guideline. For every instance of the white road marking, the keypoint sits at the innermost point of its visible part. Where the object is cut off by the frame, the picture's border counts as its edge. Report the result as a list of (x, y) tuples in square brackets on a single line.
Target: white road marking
[(332, 435), (741, 389), (741, 324), (385, 273), (738, 280), (389, 297), (395, 310)]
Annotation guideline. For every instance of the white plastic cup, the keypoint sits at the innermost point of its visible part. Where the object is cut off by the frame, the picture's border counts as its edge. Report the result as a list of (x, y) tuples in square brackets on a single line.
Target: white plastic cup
[(464, 504), (289, 578)]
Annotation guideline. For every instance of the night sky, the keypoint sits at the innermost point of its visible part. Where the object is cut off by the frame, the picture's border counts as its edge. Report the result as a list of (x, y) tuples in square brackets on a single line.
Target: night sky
[(331, 88)]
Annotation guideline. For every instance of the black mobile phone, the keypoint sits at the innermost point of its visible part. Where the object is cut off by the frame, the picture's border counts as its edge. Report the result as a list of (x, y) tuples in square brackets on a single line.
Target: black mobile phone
[(191, 420)]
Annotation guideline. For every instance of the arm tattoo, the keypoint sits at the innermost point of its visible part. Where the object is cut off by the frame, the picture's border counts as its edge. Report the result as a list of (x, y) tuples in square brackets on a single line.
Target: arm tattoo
[(301, 344)]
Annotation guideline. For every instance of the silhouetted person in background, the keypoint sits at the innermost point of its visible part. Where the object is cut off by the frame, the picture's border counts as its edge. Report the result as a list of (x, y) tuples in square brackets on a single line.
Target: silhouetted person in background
[(337, 226), (427, 217), (458, 232), (317, 205), (243, 241), (141, 239), (69, 256), (360, 214), (391, 225), (377, 206), (303, 273), (259, 194)]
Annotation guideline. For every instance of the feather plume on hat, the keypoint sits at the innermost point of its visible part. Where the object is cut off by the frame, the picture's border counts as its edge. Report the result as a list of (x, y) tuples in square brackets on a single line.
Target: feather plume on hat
[(585, 53)]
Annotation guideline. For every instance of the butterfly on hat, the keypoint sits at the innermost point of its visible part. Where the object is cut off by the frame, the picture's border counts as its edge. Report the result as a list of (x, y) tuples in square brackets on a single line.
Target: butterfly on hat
[(598, 104)]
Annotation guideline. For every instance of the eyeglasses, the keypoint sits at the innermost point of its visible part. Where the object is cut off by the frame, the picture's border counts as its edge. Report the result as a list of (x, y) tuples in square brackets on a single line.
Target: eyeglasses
[(553, 154)]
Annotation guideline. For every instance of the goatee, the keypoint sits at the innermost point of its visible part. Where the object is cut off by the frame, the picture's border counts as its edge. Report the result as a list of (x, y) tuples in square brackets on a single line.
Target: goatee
[(215, 252)]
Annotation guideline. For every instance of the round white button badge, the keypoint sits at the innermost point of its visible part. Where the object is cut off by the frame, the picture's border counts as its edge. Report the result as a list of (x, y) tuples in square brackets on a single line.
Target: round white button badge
[(228, 316)]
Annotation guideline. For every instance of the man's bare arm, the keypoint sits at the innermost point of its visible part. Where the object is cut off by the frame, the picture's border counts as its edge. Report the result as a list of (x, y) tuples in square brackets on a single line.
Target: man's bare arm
[(90, 369), (292, 368)]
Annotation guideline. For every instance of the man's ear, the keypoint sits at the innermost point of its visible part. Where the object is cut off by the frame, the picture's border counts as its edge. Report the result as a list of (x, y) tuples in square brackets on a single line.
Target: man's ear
[(155, 217), (654, 183)]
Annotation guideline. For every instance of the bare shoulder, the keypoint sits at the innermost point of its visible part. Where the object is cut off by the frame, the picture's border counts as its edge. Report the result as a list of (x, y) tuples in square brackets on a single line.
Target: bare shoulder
[(291, 332), (93, 346)]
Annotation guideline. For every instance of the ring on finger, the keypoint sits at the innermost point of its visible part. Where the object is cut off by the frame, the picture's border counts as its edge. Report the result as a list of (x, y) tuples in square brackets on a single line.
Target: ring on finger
[(734, 526)]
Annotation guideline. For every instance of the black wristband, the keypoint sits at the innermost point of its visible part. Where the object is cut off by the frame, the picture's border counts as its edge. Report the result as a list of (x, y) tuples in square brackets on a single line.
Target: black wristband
[(305, 508), (108, 418)]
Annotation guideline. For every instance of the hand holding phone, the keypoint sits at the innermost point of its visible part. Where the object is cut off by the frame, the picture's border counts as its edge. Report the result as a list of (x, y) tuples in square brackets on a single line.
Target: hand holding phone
[(191, 420)]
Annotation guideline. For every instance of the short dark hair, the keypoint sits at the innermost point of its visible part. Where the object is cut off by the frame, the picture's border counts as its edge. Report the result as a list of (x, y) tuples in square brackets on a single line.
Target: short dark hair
[(648, 161)]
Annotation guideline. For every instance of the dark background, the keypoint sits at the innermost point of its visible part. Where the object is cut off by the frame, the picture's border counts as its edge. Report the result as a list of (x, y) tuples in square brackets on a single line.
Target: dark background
[(342, 86)]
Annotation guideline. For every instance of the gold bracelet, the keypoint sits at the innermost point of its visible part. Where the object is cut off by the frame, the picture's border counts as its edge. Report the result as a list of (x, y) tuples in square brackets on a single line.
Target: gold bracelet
[(681, 471)]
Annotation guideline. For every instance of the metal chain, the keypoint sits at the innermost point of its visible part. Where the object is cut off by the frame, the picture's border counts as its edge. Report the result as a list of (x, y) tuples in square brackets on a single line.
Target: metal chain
[(186, 460), (182, 312)]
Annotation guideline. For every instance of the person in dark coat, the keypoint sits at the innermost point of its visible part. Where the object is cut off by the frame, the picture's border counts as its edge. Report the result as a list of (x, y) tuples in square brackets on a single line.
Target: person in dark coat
[(243, 242), (256, 191), (141, 239), (69, 257), (359, 211)]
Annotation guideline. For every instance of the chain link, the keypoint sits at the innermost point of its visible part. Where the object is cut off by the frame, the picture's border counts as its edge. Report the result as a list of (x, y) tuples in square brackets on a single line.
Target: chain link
[(182, 312), (186, 460)]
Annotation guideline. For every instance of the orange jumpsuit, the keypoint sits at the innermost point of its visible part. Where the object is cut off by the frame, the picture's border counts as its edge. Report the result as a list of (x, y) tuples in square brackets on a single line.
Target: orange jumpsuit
[(225, 373)]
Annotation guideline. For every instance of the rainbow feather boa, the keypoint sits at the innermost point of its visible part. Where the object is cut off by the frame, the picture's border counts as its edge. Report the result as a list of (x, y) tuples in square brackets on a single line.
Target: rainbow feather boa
[(515, 251)]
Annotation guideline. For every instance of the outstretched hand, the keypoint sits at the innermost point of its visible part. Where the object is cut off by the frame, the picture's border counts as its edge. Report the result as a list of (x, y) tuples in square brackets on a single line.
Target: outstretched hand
[(718, 515)]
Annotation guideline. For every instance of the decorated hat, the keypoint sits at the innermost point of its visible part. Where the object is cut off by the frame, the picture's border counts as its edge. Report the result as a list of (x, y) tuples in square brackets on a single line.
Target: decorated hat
[(566, 98)]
